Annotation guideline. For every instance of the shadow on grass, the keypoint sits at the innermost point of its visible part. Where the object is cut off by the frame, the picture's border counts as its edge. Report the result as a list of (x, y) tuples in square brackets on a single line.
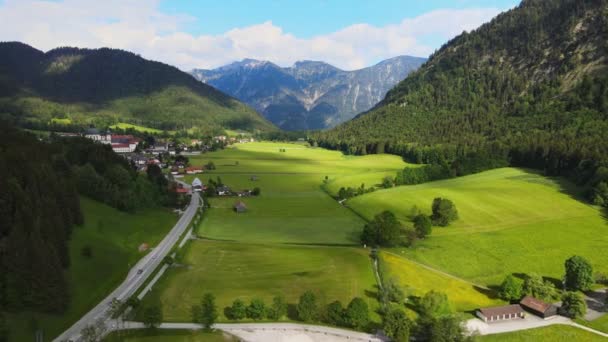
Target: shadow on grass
[(490, 292), (292, 312), (556, 282)]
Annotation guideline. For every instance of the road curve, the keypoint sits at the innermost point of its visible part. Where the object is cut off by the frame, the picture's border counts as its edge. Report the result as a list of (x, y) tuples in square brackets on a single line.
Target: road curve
[(134, 281), (279, 327)]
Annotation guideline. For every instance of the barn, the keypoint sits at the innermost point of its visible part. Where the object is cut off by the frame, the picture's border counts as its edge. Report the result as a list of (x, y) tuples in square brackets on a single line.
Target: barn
[(538, 307), (501, 313)]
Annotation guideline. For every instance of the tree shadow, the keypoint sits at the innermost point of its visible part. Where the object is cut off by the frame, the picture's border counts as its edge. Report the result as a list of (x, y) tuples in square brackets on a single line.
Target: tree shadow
[(490, 292), (292, 312), (520, 276), (372, 294), (556, 282)]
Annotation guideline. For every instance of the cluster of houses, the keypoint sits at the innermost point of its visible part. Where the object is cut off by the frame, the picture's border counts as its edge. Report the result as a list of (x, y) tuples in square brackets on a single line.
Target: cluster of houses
[(119, 143), (529, 304)]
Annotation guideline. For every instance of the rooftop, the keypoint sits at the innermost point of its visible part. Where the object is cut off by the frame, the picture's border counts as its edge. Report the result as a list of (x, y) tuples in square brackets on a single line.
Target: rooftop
[(502, 310), (535, 304)]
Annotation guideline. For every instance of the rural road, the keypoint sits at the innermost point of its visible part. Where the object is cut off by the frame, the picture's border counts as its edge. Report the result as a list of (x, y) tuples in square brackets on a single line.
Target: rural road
[(272, 331), (134, 281)]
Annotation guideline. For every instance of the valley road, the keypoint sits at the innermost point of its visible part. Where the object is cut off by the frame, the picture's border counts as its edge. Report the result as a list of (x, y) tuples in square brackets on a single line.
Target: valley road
[(137, 275)]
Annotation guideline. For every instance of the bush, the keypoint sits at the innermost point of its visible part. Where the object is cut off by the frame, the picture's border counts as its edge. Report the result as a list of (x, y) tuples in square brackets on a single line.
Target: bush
[(397, 325), (256, 309), (423, 226), (357, 313), (335, 313), (238, 310), (256, 191), (573, 305), (510, 289), (307, 307), (444, 212)]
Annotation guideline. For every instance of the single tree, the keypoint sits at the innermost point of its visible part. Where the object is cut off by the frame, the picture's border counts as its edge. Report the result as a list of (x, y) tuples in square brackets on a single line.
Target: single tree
[(434, 304), (388, 182), (307, 307), (335, 313), (397, 325), (383, 230), (535, 286), (573, 305), (510, 289), (256, 191), (444, 211), (238, 310), (579, 274), (278, 309), (357, 313), (423, 226), (152, 316), (447, 328), (391, 292), (256, 309), (208, 311)]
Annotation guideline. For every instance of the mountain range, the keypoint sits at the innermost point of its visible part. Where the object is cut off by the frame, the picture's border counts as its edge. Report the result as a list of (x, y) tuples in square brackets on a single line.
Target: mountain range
[(309, 94), (107, 86)]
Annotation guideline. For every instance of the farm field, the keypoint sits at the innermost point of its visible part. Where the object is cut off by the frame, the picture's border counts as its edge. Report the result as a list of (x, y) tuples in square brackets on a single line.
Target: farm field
[(169, 335), (417, 280), (554, 333), (114, 238), (511, 221), (292, 208), (234, 270)]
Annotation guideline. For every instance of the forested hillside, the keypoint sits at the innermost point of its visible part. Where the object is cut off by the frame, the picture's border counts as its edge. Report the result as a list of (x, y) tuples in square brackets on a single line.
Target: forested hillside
[(106, 86), (530, 88), (39, 205)]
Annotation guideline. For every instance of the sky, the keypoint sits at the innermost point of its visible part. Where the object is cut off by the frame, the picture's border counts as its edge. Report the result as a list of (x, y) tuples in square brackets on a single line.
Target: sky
[(350, 34)]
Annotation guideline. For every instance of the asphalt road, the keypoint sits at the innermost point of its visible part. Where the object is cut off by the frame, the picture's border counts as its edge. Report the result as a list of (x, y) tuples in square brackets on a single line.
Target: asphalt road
[(134, 281)]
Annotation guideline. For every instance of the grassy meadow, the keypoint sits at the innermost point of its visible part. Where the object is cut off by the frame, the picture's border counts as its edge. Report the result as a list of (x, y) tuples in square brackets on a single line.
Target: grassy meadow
[(143, 129), (232, 270), (293, 206), (114, 238), (554, 333), (417, 280), (511, 221)]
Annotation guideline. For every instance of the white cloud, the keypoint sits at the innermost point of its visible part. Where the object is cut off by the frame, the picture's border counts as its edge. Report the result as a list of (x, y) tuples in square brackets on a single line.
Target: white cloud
[(139, 26)]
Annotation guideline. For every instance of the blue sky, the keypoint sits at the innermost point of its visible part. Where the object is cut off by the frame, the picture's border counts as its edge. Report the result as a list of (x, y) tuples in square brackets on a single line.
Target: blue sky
[(310, 18), (204, 34)]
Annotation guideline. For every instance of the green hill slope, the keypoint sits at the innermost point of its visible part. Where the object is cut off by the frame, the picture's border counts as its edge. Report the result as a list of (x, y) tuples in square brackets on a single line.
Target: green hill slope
[(108, 86), (531, 87)]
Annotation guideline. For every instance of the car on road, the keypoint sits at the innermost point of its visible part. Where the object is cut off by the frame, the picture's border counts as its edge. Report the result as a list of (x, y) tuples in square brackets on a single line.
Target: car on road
[(140, 271)]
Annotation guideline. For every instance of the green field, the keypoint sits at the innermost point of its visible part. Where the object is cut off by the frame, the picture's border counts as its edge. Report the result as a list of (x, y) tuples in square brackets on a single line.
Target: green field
[(600, 324), (554, 333), (511, 221), (417, 280), (293, 207), (234, 270), (169, 335), (114, 238)]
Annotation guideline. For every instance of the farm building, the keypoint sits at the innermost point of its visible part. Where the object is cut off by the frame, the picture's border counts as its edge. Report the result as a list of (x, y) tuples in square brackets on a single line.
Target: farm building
[(240, 207), (192, 170), (223, 190), (501, 313), (538, 307), (197, 185)]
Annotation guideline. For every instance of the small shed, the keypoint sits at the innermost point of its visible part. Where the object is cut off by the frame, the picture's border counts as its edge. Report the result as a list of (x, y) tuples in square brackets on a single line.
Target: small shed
[(240, 207), (538, 307), (501, 313)]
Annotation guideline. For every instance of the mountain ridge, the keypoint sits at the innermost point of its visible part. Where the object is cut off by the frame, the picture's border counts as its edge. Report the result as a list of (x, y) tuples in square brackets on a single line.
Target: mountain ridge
[(103, 86), (309, 94)]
